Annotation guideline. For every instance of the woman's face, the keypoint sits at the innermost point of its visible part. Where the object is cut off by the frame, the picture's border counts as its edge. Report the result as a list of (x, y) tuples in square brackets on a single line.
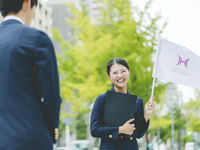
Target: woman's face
[(119, 75)]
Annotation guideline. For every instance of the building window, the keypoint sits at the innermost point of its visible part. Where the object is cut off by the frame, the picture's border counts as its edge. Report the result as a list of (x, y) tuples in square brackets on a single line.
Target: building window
[(40, 22), (40, 6), (46, 12)]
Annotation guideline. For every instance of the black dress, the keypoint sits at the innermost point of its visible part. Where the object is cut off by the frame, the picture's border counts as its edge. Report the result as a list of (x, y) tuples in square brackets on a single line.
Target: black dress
[(110, 138)]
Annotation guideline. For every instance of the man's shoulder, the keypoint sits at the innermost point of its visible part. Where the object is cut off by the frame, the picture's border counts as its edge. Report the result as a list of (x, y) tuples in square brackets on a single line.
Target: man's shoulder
[(39, 36), (21, 29), (34, 31)]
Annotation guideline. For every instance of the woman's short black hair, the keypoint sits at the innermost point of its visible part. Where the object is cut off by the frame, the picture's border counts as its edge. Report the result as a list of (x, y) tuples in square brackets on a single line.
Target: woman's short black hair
[(116, 61), (13, 6)]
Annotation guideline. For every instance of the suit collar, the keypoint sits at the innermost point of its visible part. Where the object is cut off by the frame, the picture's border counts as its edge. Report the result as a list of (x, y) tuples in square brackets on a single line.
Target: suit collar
[(10, 21), (12, 17)]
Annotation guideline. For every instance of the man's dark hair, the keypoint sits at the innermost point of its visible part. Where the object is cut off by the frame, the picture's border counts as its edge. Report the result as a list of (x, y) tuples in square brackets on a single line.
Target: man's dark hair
[(116, 61), (13, 6)]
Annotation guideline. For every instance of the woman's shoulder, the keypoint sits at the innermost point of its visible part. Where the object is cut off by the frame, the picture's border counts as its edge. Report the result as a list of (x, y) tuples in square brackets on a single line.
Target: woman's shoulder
[(139, 102), (139, 99), (101, 97)]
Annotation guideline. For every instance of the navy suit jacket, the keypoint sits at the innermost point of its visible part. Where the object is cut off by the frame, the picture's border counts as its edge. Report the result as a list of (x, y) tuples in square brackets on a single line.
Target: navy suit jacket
[(29, 88), (108, 133)]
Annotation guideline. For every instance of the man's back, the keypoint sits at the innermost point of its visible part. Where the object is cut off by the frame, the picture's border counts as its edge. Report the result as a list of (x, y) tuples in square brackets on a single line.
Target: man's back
[(29, 91)]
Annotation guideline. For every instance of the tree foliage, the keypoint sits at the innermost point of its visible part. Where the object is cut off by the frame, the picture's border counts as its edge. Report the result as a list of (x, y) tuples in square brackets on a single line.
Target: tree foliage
[(162, 118), (193, 113), (120, 31)]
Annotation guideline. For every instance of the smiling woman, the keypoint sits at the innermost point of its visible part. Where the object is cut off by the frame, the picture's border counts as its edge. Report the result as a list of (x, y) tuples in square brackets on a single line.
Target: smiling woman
[(118, 117), (118, 73)]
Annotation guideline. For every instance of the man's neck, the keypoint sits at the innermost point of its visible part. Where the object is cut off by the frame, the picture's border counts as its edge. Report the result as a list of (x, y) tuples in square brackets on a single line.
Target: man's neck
[(20, 17), (9, 17)]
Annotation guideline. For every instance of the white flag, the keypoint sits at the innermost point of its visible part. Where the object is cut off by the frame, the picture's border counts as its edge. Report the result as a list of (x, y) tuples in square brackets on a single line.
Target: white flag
[(177, 64)]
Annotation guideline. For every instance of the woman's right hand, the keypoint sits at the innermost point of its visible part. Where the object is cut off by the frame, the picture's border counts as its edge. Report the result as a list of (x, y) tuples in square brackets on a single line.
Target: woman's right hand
[(127, 128)]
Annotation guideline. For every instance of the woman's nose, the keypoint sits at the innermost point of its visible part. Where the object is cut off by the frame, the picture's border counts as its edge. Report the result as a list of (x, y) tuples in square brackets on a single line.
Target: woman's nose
[(120, 75)]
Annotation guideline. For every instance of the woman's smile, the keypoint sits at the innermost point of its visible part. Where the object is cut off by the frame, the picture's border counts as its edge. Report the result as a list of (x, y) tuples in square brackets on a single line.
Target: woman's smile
[(121, 80), (119, 76)]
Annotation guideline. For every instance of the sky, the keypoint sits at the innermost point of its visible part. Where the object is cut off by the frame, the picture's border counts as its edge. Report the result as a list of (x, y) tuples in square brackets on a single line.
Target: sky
[(183, 19)]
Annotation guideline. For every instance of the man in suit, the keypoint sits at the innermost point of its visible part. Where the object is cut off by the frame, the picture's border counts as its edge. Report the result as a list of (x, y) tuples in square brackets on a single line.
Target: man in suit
[(29, 84)]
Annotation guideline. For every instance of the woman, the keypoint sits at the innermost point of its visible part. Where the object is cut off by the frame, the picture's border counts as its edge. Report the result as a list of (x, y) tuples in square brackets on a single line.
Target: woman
[(111, 139)]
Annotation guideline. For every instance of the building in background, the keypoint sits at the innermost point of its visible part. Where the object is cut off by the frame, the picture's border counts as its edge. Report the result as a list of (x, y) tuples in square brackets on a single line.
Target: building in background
[(93, 9), (60, 14), (43, 19)]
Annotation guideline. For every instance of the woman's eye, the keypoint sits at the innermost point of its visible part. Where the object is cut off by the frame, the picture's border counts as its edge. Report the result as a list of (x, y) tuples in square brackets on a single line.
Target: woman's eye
[(114, 72)]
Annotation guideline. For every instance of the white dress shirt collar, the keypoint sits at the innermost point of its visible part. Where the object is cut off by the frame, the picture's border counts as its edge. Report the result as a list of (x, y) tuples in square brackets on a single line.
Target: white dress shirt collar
[(11, 17)]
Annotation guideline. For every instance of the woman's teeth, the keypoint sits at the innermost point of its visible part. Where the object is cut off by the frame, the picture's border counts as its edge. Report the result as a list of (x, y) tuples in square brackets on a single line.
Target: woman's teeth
[(121, 80)]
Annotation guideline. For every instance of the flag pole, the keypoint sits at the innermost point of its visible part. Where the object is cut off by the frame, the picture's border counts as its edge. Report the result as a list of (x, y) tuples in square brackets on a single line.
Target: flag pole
[(153, 85)]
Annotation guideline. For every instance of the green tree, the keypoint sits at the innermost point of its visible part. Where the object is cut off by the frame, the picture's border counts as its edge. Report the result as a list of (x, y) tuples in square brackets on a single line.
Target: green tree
[(117, 33), (162, 124), (193, 113)]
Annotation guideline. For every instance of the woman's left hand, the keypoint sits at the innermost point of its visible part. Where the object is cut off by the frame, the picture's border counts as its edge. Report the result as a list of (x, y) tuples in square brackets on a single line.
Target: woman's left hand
[(149, 108)]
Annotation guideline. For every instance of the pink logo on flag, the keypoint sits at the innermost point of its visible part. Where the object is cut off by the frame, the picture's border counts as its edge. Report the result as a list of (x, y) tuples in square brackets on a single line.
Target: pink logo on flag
[(182, 61)]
